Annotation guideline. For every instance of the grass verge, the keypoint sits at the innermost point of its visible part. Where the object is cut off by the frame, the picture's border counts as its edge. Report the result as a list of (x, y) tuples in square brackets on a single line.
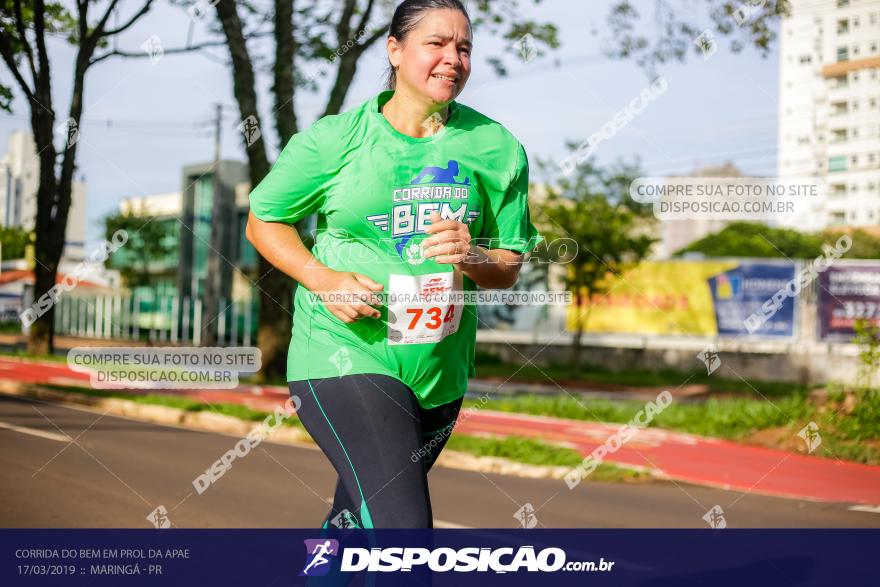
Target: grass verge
[(849, 429), (520, 450)]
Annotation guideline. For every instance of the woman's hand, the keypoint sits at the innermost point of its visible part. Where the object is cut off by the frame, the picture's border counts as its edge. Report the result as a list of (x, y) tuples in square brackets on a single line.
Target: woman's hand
[(450, 240), (353, 296)]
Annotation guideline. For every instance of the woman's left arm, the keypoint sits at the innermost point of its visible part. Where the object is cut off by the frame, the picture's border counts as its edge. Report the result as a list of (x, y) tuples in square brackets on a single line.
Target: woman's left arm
[(450, 242)]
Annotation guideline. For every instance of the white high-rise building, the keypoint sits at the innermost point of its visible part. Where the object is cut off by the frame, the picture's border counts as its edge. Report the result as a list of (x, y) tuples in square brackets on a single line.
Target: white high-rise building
[(829, 108), (19, 179)]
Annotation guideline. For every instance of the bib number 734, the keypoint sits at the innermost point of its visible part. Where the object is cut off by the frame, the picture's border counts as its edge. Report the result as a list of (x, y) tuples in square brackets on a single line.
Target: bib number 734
[(415, 314)]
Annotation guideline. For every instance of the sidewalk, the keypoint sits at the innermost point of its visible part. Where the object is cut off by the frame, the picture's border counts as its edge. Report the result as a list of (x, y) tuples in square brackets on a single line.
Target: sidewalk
[(677, 456)]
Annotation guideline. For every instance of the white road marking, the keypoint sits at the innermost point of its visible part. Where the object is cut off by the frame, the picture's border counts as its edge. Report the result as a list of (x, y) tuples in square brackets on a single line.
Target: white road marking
[(444, 524), (35, 432), (872, 509)]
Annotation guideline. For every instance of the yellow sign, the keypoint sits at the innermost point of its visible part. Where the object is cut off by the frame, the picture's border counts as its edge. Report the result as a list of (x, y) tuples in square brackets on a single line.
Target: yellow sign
[(657, 297)]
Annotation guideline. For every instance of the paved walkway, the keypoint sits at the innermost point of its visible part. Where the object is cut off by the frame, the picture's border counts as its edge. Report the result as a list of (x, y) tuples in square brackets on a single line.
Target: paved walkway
[(678, 456)]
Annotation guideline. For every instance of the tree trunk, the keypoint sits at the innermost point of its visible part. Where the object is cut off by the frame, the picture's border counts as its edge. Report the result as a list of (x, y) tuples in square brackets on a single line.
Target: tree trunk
[(274, 323), (578, 332)]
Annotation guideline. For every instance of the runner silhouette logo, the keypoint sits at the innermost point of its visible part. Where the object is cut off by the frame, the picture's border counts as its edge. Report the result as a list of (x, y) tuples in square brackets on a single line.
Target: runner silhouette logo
[(318, 553), (441, 175)]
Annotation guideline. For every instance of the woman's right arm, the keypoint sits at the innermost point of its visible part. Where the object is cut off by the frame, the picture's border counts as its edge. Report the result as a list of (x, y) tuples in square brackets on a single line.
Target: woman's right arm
[(280, 244)]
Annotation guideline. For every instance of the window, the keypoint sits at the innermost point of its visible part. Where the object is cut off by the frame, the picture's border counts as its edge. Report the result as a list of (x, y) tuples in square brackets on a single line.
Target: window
[(837, 163), (840, 81), (842, 3), (842, 26), (805, 59), (855, 22), (838, 136), (842, 53), (855, 50), (837, 218), (873, 47), (855, 160), (872, 18), (871, 158)]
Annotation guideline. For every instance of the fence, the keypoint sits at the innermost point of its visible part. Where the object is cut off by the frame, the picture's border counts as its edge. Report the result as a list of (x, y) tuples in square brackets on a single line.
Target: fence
[(153, 317)]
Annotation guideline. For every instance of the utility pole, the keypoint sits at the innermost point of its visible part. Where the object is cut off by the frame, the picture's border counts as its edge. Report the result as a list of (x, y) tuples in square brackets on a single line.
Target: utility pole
[(211, 305)]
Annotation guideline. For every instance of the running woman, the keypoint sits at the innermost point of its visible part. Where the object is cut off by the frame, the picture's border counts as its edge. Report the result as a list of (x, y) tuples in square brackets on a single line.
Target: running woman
[(414, 194)]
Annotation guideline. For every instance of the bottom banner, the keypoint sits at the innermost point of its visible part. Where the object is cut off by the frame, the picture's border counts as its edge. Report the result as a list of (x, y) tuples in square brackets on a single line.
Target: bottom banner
[(271, 558)]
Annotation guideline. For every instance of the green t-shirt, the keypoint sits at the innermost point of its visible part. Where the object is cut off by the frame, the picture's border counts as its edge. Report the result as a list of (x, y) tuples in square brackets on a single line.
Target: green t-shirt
[(373, 189)]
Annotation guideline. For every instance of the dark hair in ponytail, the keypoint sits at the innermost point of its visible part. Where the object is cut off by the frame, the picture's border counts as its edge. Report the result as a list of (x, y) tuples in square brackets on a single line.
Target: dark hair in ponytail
[(407, 15)]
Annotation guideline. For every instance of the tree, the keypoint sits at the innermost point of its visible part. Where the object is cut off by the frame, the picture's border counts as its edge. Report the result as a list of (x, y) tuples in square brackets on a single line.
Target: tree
[(13, 241), (753, 239), (868, 339), (611, 233), (24, 26), (146, 244), (676, 31)]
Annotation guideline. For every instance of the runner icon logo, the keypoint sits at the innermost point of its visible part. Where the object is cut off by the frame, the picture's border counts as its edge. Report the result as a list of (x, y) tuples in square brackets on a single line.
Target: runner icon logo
[(318, 552)]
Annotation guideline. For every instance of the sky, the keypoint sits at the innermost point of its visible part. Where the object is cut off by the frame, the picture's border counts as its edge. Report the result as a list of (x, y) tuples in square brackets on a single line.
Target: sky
[(143, 122)]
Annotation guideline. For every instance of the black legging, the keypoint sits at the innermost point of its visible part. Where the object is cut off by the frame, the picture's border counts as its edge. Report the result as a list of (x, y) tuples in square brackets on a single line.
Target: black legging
[(381, 443)]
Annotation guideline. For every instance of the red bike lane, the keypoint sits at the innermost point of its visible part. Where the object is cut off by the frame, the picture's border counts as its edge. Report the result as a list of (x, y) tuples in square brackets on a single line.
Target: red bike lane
[(674, 455)]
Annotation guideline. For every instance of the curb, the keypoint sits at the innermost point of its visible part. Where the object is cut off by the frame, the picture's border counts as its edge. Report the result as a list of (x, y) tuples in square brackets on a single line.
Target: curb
[(230, 425)]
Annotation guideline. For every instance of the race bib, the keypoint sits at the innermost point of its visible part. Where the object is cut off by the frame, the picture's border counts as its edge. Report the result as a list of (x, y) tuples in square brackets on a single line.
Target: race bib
[(417, 310)]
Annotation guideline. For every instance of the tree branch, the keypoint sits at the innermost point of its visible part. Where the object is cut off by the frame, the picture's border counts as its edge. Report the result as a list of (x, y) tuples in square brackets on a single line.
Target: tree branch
[(9, 57), (343, 27), (144, 9), (284, 87), (141, 54), (381, 32), (19, 25), (99, 28), (40, 30), (366, 17)]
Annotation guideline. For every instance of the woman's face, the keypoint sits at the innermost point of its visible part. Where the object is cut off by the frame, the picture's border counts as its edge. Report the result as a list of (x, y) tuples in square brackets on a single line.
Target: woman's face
[(438, 47)]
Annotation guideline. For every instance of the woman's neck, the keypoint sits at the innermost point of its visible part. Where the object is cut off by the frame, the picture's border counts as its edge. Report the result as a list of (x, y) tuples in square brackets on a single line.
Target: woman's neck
[(414, 117)]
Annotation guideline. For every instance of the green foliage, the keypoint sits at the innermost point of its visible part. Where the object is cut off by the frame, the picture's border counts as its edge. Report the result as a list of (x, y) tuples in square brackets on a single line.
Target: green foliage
[(600, 375), (753, 239), (728, 418), (13, 241), (863, 423), (844, 435), (868, 339), (864, 244), (606, 231), (57, 21), (146, 243), (523, 450), (668, 34)]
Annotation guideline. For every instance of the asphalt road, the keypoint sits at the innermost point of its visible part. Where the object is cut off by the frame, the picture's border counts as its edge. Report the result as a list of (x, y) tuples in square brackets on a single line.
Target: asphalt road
[(69, 467)]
